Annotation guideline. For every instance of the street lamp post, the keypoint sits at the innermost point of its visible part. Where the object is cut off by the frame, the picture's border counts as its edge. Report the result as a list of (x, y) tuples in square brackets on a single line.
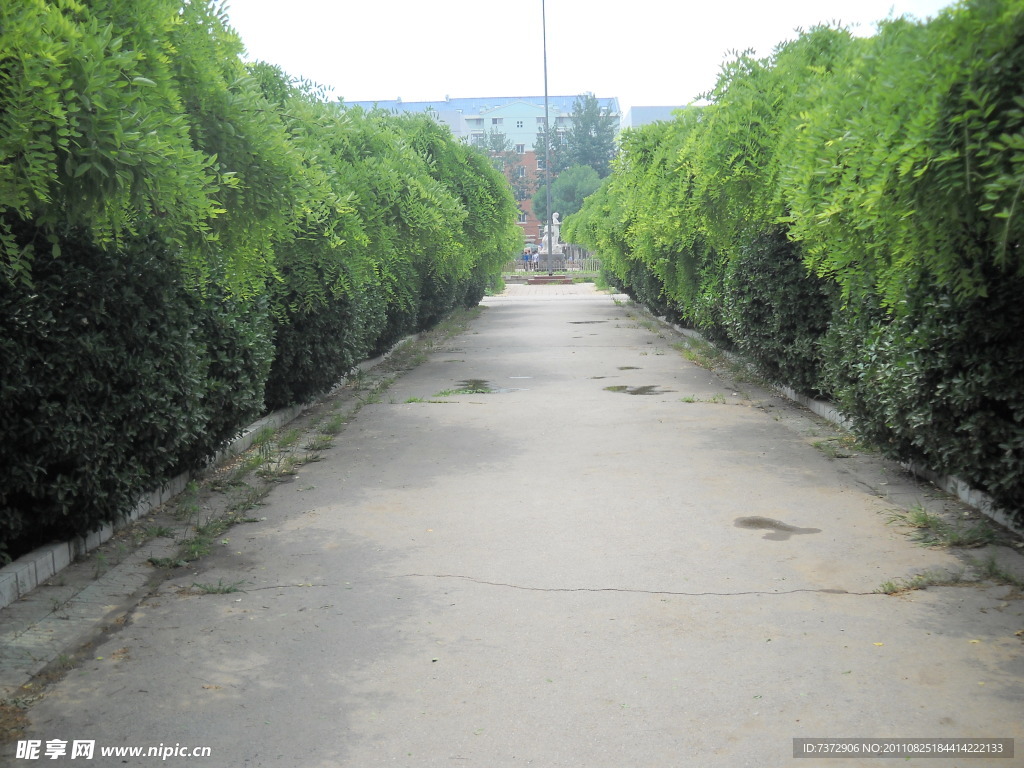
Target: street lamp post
[(547, 136)]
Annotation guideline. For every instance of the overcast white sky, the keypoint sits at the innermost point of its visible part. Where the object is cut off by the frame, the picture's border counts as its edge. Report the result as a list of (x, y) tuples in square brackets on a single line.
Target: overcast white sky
[(645, 52)]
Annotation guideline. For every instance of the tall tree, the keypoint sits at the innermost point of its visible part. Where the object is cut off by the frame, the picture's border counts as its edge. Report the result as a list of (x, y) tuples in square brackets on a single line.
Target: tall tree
[(589, 141), (567, 192), (591, 138)]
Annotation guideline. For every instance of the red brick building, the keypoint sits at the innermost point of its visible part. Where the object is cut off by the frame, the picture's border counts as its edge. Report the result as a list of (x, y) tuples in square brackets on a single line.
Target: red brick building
[(526, 178)]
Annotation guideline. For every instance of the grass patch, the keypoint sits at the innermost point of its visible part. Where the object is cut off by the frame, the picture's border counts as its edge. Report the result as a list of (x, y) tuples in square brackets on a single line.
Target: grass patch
[(931, 530), (220, 588), (333, 425), (249, 498), (289, 438), (717, 398), (167, 562), (991, 570), (319, 443), (838, 447), (700, 352), (463, 391), (923, 580)]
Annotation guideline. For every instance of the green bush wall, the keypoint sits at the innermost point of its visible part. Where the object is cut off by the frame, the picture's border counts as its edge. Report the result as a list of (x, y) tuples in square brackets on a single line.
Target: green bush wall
[(849, 213), (187, 240)]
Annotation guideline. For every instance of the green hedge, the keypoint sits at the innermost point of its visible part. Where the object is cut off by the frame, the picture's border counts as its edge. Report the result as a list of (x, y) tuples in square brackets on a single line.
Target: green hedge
[(849, 213), (187, 240), (115, 378), (776, 313), (941, 385)]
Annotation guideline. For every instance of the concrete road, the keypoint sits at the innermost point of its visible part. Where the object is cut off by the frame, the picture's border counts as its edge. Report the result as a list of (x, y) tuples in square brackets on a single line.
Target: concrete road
[(597, 555)]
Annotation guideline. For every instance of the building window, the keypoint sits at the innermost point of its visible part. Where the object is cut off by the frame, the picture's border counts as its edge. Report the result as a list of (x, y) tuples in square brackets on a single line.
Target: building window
[(520, 172), (540, 163), (522, 218), (519, 123), (495, 121), (520, 149)]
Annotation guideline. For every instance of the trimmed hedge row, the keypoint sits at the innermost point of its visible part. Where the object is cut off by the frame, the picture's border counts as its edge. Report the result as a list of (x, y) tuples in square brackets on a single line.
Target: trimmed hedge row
[(849, 213), (187, 240)]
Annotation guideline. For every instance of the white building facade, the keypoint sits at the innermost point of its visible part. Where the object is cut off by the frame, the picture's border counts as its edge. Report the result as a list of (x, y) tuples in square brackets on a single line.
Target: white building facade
[(519, 120)]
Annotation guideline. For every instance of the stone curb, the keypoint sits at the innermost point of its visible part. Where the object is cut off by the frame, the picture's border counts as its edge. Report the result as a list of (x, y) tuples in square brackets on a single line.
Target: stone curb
[(25, 574)]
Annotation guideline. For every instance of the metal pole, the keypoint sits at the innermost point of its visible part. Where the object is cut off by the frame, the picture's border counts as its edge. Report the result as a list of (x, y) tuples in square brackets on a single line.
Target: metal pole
[(547, 135)]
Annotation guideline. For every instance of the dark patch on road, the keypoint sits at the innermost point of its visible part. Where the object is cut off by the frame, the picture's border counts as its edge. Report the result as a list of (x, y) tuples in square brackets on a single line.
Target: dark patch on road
[(647, 389), (779, 531)]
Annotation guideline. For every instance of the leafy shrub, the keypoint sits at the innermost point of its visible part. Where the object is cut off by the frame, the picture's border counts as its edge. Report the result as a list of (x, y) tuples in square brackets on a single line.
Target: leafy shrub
[(315, 347), (942, 384), (103, 386), (776, 312), (233, 340)]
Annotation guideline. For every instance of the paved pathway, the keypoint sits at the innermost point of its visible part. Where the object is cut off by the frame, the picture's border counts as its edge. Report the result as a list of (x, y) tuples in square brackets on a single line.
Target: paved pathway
[(556, 542)]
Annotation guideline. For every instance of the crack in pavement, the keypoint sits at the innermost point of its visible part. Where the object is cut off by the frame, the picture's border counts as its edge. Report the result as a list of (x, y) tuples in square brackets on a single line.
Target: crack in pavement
[(282, 586), (630, 591)]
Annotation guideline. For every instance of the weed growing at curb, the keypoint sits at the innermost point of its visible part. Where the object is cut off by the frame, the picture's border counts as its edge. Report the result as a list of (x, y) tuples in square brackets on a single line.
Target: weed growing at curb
[(319, 443), (923, 580), (844, 447), (333, 425), (718, 399), (699, 352), (220, 588), (464, 391), (987, 570), (930, 530), (990, 569)]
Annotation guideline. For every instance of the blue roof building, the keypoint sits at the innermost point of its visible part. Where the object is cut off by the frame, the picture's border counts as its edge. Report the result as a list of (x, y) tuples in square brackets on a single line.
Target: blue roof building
[(638, 116), (519, 118)]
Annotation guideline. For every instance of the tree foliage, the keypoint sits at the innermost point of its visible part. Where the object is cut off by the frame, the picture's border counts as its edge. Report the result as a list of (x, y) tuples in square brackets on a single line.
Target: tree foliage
[(567, 192), (590, 140)]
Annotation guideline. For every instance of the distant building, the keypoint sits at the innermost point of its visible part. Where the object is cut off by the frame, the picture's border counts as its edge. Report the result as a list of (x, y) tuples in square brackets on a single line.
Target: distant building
[(519, 119), (637, 116)]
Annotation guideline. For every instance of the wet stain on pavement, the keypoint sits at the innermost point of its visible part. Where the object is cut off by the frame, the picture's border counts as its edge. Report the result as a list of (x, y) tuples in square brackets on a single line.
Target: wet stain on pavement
[(484, 387), (648, 389), (779, 531)]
